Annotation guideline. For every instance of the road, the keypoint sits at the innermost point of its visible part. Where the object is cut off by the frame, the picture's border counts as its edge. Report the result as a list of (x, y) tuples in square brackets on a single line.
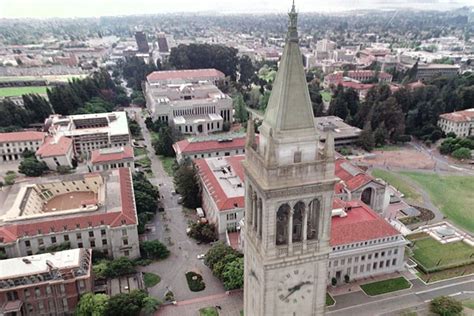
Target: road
[(357, 303), (170, 228)]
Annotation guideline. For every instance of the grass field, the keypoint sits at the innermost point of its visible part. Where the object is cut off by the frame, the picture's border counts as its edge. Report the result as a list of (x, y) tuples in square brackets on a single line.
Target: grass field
[(18, 91), (151, 279), (326, 96), (329, 300), (208, 311), (397, 181), (453, 195), (469, 303), (385, 286), (138, 151), (431, 254), (145, 162), (168, 163)]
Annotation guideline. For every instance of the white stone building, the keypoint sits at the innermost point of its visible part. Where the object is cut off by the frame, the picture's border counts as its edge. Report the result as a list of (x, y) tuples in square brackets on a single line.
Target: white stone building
[(460, 123), (111, 158), (222, 191), (56, 152), (92, 210), (192, 107), (91, 131), (12, 145)]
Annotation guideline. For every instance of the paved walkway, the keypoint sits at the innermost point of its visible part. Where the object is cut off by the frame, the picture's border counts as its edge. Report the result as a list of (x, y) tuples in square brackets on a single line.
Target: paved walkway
[(170, 228), (231, 305)]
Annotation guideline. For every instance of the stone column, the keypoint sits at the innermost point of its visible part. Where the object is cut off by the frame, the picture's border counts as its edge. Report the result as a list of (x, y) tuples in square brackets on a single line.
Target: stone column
[(290, 231), (260, 217), (305, 225)]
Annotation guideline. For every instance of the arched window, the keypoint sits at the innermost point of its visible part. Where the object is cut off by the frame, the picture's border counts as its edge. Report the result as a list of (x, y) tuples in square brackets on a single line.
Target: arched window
[(297, 230), (260, 217), (282, 224), (249, 207), (366, 196), (313, 219)]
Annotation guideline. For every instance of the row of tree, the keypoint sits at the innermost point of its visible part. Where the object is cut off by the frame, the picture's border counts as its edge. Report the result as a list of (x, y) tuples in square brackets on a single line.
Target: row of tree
[(13, 117), (146, 199), (94, 94)]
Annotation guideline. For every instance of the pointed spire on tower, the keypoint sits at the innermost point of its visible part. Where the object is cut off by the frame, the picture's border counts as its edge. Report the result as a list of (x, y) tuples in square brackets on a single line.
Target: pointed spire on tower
[(293, 24)]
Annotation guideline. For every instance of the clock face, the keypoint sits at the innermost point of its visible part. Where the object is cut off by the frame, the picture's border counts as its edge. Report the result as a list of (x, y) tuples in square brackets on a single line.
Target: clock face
[(295, 287)]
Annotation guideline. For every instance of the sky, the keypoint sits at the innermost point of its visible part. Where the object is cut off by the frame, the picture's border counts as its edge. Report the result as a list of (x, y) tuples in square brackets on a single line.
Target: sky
[(88, 8)]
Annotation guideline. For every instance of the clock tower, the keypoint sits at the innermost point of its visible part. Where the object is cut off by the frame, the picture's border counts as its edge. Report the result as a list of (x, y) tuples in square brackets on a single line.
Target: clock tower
[(289, 185)]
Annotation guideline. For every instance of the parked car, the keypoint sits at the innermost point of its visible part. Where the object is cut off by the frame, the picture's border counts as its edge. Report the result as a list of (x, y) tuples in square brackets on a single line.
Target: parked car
[(201, 256)]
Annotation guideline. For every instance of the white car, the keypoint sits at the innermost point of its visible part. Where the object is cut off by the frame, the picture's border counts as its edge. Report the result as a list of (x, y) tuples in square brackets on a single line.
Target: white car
[(201, 256)]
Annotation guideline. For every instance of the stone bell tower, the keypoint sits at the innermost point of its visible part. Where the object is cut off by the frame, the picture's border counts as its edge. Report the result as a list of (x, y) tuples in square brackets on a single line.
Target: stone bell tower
[(289, 185)]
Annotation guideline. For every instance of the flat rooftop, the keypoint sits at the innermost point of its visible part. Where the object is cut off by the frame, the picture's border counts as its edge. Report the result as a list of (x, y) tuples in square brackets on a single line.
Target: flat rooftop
[(37, 264), (337, 125)]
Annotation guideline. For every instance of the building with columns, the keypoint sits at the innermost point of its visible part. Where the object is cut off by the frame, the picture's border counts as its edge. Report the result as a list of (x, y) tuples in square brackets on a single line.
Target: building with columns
[(289, 187)]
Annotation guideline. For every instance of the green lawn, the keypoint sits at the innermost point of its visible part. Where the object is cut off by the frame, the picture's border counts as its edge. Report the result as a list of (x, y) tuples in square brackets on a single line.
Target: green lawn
[(385, 286), (329, 300), (469, 303), (397, 181), (326, 95), (208, 311), (168, 163), (432, 254), (453, 195), (151, 279), (18, 91), (145, 162), (138, 151)]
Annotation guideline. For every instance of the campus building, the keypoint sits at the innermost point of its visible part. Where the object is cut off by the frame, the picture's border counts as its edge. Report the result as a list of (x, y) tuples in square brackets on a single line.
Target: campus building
[(166, 77), (209, 146), (427, 72), (91, 210), (111, 158), (56, 151), (360, 76), (344, 134), (12, 145), (222, 191), (91, 131), (460, 123), (45, 284), (192, 107)]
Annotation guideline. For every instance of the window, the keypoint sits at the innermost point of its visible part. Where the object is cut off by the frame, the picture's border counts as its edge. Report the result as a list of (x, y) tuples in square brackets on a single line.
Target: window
[(91, 233), (102, 232), (383, 254), (78, 236), (343, 261), (387, 263), (376, 255), (126, 253), (394, 262), (48, 290), (125, 242), (362, 258), (395, 251), (27, 243), (92, 243), (79, 245), (231, 216), (104, 242), (37, 292), (381, 264), (362, 268), (66, 237), (370, 256), (27, 293), (65, 304), (124, 232), (374, 266), (53, 239), (62, 288), (40, 241)]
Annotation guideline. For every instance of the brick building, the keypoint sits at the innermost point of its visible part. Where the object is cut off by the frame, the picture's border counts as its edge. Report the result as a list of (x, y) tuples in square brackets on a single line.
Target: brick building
[(45, 284)]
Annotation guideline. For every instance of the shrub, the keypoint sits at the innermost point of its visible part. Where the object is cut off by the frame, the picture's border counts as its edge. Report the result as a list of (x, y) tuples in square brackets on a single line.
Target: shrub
[(446, 306), (462, 153), (451, 135), (10, 177), (204, 232), (195, 281), (153, 249), (346, 278), (226, 126), (63, 169), (119, 267), (333, 281), (169, 296)]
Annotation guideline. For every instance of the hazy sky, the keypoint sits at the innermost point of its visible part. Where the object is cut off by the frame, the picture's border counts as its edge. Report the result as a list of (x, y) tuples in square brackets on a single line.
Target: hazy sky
[(82, 8)]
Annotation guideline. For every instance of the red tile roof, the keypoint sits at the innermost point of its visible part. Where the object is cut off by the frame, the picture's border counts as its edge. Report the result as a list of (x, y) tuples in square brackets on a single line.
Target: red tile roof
[(21, 136), (352, 176), (209, 179), (51, 148), (186, 147), (10, 233), (187, 74), (360, 224), (459, 116), (99, 156)]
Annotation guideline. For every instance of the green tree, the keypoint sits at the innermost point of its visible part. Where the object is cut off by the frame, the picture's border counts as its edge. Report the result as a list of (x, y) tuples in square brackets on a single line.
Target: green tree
[(119, 267), (462, 153), (233, 276), (204, 232), (126, 304), (446, 306), (167, 136), (241, 113), (263, 100), (153, 249), (220, 266), (217, 252), (187, 183), (31, 167), (246, 70), (92, 305), (150, 305), (366, 139)]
